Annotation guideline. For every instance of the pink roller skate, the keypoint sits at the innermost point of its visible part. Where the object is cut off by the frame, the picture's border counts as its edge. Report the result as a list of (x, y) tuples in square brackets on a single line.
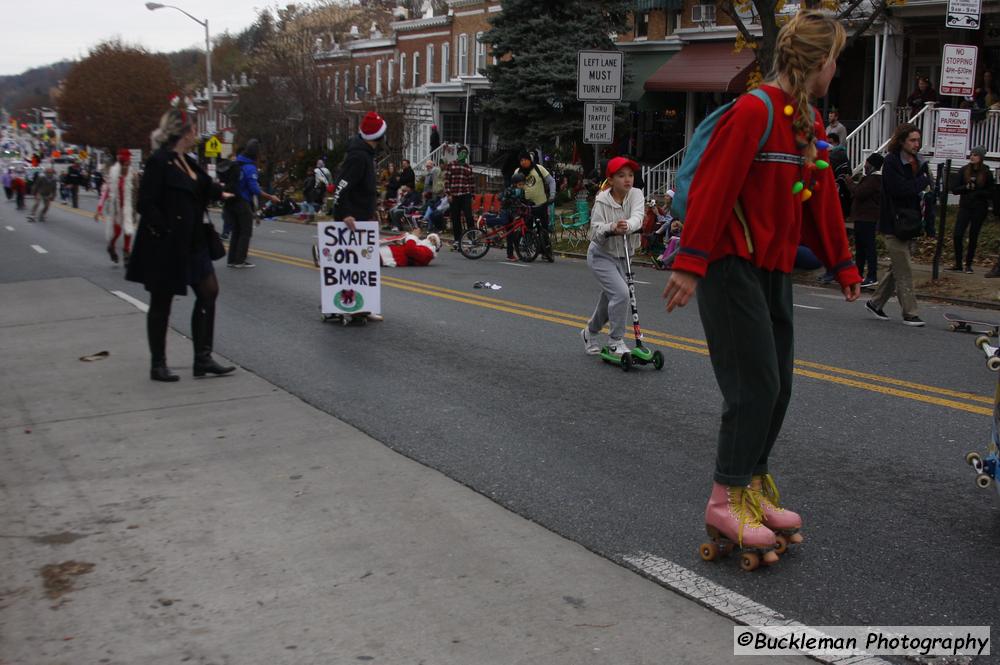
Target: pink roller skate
[(733, 520), (785, 523)]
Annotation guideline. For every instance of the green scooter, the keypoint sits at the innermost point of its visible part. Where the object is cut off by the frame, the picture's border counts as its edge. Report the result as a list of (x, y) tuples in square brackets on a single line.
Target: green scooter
[(639, 355)]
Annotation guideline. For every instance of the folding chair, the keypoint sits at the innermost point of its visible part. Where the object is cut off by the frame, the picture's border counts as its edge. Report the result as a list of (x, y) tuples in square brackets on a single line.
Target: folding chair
[(574, 226)]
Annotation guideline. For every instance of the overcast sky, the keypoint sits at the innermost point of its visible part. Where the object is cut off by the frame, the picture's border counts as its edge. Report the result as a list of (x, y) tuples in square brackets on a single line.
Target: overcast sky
[(41, 33)]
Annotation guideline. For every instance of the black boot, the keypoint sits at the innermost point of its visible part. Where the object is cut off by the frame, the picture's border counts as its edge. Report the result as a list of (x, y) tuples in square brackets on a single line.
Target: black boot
[(160, 372), (202, 333), (205, 364)]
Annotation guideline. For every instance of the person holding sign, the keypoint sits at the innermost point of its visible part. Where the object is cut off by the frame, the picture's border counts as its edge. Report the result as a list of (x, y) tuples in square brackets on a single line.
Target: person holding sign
[(355, 195)]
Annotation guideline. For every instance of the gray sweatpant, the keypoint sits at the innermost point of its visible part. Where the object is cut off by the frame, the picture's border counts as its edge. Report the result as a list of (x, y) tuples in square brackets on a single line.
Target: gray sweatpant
[(899, 280), (613, 304)]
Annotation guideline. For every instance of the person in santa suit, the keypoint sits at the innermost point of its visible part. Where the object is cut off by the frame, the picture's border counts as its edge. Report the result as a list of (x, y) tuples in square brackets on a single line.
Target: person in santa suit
[(117, 197), (410, 250)]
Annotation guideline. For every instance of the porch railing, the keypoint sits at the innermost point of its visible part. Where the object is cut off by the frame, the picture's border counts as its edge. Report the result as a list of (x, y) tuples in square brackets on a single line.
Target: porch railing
[(867, 136), (660, 178)]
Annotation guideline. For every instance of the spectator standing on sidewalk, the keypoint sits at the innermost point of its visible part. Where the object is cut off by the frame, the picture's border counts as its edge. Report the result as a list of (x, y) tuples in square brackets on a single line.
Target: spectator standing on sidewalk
[(172, 243), (243, 204), (459, 185), (406, 175), (974, 183), (44, 190), (904, 178), (866, 199)]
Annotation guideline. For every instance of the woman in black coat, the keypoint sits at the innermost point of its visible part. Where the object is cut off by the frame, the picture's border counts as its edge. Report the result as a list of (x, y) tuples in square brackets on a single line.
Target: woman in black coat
[(171, 250)]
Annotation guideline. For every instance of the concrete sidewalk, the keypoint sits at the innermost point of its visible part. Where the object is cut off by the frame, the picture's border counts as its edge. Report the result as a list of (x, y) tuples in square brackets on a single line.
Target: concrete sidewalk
[(223, 520)]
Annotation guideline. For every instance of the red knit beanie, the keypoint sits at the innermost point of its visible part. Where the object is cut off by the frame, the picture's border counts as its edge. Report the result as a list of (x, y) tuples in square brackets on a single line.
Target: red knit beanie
[(372, 126)]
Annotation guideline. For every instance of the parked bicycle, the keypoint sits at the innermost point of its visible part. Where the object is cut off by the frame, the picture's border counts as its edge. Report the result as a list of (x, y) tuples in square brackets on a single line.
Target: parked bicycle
[(476, 242)]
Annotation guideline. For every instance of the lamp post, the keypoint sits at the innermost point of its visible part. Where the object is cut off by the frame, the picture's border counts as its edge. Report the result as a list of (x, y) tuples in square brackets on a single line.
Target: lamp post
[(210, 125)]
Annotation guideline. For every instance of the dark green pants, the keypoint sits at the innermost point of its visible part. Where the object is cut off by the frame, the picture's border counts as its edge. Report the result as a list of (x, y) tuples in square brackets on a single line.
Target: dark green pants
[(747, 315)]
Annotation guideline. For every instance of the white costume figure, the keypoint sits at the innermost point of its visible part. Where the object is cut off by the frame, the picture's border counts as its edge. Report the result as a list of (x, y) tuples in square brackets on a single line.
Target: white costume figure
[(117, 204)]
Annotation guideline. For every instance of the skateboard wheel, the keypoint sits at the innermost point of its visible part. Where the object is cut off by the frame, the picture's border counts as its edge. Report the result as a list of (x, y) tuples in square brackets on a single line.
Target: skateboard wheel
[(993, 363), (982, 340), (972, 458), (709, 551), (983, 481), (749, 561), (780, 543)]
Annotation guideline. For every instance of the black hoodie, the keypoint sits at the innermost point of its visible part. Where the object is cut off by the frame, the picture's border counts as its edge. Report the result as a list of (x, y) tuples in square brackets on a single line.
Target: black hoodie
[(355, 194)]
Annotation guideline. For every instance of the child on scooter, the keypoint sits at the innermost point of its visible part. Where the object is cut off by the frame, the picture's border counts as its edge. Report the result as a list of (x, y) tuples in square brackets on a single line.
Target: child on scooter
[(618, 211)]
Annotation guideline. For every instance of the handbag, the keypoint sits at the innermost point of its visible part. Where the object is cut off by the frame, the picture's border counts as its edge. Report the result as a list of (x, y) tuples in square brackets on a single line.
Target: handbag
[(216, 250), (909, 224)]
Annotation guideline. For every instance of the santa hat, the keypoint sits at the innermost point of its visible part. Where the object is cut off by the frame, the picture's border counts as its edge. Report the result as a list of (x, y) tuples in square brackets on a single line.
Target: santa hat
[(372, 126), (124, 156)]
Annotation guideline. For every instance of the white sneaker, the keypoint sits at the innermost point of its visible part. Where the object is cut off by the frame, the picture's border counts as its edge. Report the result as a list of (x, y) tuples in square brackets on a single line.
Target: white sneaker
[(618, 347), (589, 345)]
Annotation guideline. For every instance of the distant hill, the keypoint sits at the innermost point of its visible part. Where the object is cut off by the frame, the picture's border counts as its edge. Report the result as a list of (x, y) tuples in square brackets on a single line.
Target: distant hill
[(19, 92)]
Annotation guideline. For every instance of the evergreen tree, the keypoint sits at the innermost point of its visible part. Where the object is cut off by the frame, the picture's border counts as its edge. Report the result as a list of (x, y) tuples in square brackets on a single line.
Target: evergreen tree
[(534, 81)]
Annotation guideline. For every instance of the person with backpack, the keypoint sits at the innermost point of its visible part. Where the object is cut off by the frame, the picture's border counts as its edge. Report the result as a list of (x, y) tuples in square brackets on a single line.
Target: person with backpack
[(759, 189), (323, 184), (905, 177), (243, 183), (539, 190)]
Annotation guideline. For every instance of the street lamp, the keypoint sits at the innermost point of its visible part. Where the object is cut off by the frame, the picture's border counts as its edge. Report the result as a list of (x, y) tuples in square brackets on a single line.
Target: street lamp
[(210, 125)]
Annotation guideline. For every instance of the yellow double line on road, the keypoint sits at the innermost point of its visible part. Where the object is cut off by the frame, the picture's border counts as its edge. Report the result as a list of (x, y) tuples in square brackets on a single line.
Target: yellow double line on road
[(884, 385)]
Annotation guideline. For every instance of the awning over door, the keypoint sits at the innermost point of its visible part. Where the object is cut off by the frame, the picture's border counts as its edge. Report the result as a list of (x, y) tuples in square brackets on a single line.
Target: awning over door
[(703, 67)]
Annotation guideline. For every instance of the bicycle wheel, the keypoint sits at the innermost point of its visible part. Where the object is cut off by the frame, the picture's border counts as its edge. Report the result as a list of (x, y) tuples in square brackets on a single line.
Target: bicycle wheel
[(526, 246), (473, 244)]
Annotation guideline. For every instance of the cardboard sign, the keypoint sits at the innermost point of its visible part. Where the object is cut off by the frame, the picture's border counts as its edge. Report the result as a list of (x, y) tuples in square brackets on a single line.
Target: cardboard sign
[(958, 70), (598, 123), (349, 268), (599, 75), (952, 136), (966, 14)]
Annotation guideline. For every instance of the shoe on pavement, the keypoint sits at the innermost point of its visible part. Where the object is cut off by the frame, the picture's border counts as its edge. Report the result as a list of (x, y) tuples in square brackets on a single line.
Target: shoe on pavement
[(617, 346), (590, 346), (869, 283), (914, 321), (876, 311), (512, 259), (224, 236), (247, 264), (968, 270), (234, 265), (374, 317), (992, 273)]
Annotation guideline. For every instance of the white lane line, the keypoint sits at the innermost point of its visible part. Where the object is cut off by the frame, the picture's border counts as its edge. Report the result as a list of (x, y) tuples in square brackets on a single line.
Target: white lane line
[(725, 601), (278, 231), (139, 305), (10, 228), (39, 249), (514, 265), (806, 306)]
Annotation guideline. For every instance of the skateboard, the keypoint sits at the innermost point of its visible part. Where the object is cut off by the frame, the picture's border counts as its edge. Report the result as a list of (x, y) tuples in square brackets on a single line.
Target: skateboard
[(987, 467), (346, 319), (961, 324)]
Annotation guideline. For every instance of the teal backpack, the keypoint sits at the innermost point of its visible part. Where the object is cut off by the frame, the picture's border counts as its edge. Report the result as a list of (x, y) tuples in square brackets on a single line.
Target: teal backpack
[(695, 149)]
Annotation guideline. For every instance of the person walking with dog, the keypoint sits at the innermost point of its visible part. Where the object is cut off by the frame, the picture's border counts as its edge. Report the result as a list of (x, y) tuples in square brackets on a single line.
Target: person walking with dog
[(749, 207)]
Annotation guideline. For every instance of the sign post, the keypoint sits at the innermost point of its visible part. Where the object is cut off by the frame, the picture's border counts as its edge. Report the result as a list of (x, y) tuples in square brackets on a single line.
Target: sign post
[(951, 141), (965, 14), (599, 78), (349, 268), (958, 70)]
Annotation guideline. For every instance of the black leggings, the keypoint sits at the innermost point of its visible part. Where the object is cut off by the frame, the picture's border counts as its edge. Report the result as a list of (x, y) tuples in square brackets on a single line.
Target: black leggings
[(202, 320), (972, 220)]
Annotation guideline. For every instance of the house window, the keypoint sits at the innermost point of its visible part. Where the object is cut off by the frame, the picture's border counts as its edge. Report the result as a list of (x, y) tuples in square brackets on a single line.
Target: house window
[(392, 75), (336, 87), (445, 62), (641, 25), (368, 79), (402, 71), (416, 70), (347, 85), (480, 54), (357, 80), (378, 78), (463, 55), (430, 63), (673, 21)]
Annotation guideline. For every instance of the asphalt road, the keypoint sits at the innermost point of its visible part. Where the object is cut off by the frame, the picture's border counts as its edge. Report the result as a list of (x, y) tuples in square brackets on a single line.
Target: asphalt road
[(493, 389)]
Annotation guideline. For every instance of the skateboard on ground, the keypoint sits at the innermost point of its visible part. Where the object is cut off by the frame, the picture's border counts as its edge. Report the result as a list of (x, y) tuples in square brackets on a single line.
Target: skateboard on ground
[(963, 324), (987, 466)]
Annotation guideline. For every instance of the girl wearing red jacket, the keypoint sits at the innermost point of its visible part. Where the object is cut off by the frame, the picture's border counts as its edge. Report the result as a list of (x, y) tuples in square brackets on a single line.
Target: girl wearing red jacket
[(748, 211)]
